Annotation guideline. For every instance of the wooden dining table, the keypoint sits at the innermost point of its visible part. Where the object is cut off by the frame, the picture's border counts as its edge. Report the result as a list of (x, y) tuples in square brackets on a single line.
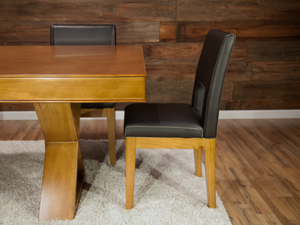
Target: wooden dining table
[(56, 79)]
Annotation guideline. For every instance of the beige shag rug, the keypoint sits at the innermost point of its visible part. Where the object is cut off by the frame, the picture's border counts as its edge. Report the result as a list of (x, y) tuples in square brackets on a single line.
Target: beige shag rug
[(166, 189)]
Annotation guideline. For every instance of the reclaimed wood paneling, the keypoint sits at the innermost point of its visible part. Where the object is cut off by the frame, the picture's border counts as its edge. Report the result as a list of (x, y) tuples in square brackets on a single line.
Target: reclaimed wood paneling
[(178, 61), (264, 70), (170, 70), (171, 61), (254, 105), (243, 10), (196, 31), (16, 107), (177, 92), (266, 91), (274, 51), (276, 71), (88, 10), (169, 91), (178, 51), (12, 32)]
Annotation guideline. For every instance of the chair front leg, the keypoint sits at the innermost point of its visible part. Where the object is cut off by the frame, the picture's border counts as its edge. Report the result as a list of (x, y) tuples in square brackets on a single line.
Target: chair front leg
[(130, 169), (210, 172)]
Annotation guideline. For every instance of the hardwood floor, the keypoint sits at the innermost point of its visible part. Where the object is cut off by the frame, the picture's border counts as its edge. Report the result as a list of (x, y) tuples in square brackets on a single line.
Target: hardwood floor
[(257, 165)]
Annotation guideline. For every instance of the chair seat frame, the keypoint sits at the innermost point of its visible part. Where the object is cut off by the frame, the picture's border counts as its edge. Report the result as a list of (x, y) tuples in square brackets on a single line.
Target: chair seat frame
[(198, 144)]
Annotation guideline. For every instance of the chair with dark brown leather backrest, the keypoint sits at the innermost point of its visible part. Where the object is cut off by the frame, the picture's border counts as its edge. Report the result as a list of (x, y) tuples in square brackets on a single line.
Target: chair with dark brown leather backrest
[(90, 35), (185, 126)]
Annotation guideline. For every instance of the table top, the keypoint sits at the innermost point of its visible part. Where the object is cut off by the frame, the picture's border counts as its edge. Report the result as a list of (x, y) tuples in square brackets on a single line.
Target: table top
[(71, 61), (31, 74)]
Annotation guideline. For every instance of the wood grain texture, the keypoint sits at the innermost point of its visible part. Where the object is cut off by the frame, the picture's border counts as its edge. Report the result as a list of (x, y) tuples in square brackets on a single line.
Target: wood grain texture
[(97, 73), (276, 71), (14, 32), (266, 91), (71, 61), (198, 162), (63, 174), (130, 170), (246, 194), (210, 172), (108, 89), (263, 104), (173, 143), (172, 32), (200, 10), (111, 129), (274, 51), (90, 10), (196, 31)]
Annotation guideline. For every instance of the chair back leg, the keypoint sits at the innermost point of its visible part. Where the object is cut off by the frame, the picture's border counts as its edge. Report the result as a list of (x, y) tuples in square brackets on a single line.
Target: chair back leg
[(210, 172), (111, 129)]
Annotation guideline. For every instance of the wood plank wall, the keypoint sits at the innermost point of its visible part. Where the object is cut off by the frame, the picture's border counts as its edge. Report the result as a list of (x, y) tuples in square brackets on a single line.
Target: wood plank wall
[(264, 72)]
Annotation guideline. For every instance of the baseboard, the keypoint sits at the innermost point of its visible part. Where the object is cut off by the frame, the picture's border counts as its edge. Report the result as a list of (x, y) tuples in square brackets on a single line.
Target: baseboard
[(224, 114)]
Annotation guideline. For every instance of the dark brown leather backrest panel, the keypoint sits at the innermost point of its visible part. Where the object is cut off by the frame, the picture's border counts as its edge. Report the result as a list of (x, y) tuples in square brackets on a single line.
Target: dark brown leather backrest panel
[(83, 35), (211, 73)]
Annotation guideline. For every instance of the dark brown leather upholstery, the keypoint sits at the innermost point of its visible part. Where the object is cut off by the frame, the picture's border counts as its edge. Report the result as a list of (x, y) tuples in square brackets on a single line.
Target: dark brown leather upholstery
[(84, 35), (162, 120), (199, 119)]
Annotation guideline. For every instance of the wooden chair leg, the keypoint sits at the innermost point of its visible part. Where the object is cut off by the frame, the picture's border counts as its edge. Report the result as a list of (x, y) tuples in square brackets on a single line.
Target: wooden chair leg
[(130, 169), (198, 162), (210, 172), (111, 127)]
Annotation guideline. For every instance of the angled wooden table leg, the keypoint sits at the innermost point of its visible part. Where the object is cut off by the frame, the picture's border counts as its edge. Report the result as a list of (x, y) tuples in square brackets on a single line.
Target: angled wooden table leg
[(63, 168)]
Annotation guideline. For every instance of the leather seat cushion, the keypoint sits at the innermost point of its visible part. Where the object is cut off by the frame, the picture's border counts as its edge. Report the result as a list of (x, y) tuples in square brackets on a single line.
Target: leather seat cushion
[(162, 120), (97, 105)]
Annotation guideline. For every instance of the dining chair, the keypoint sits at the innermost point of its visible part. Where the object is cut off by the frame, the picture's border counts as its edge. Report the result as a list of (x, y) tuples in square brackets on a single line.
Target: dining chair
[(183, 126), (90, 35)]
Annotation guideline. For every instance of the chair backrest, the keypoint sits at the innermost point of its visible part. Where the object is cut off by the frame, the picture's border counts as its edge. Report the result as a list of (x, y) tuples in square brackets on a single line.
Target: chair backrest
[(210, 76), (83, 35)]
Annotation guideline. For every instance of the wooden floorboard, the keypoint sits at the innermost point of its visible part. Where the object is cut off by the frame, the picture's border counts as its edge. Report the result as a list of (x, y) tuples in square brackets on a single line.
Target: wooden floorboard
[(257, 165)]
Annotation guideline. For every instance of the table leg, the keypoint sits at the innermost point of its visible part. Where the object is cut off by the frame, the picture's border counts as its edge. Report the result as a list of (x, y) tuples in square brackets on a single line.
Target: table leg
[(63, 168)]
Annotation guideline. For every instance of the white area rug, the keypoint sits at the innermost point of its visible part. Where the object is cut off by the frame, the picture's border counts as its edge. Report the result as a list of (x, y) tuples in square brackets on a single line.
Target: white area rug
[(166, 189)]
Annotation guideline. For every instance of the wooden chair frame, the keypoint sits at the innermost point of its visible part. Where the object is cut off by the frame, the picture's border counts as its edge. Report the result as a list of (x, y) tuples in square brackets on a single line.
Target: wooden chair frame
[(198, 144), (109, 113)]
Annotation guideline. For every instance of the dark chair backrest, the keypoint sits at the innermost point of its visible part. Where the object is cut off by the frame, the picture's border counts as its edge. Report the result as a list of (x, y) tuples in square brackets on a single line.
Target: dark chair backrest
[(83, 35), (210, 76)]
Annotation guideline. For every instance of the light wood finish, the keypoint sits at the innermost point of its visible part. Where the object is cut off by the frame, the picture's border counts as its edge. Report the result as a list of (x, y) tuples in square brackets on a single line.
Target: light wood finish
[(63, 168), (109, 113), (210, 172), (198, 162), (265, 195), (88, 89), (111, 127), (170, 143), (59, 61), (130, 169), (57, 79), (76, 110), (173, 143), (100, 74)]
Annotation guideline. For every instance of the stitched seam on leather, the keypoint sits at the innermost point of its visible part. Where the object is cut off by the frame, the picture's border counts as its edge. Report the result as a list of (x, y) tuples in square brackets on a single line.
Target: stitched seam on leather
[(167, 127), (196, 93), (209, 93), (163, 127)]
